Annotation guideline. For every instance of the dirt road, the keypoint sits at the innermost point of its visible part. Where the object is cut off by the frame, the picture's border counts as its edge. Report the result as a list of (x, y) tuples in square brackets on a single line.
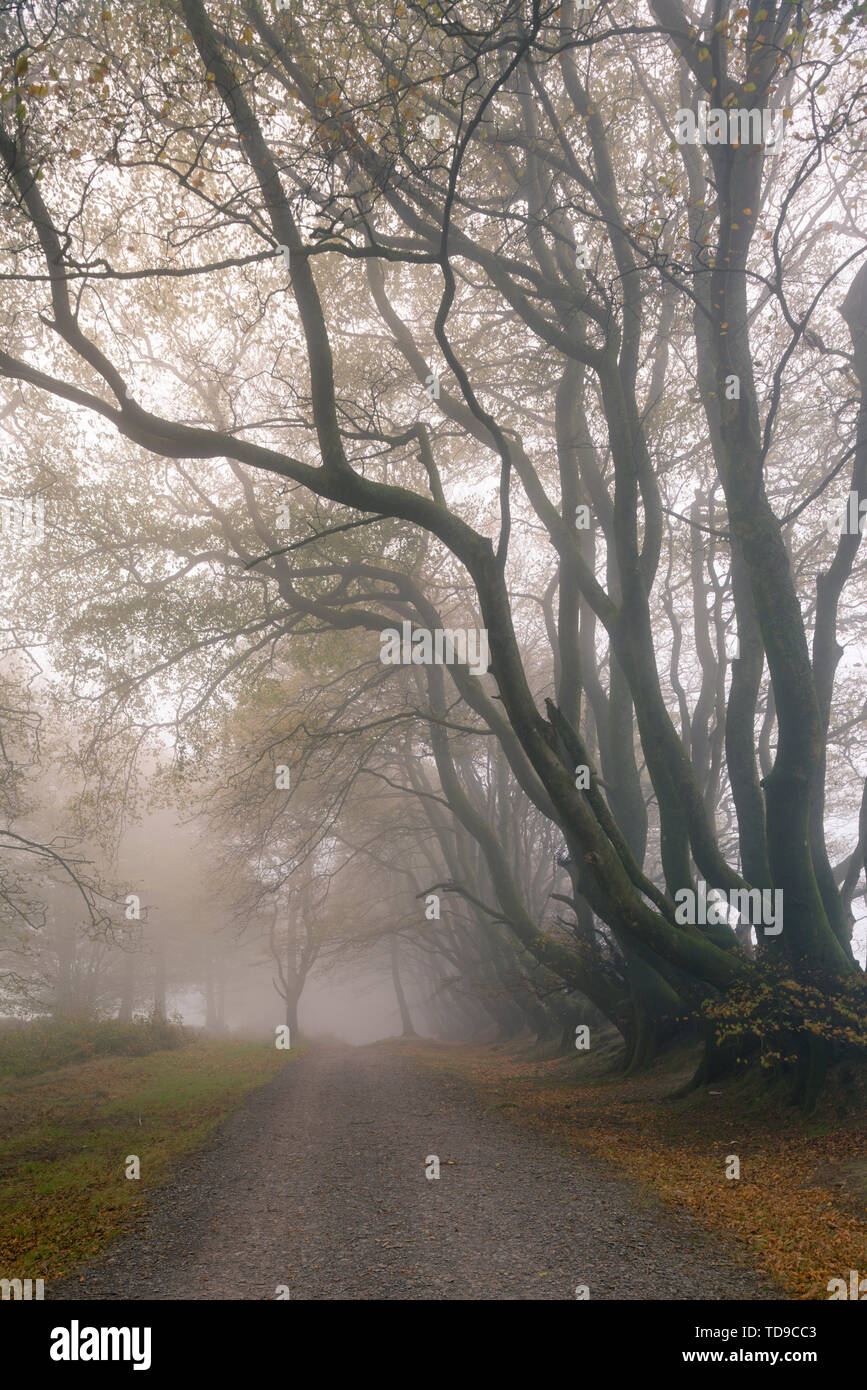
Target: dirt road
[(317, 1183)]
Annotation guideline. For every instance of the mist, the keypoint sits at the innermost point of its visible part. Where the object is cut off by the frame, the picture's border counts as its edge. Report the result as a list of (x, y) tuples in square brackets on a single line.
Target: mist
[(433, 735)]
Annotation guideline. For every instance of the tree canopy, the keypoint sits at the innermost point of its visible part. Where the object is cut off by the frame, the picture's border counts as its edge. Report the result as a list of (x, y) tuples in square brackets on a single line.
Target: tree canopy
[(322, 323)]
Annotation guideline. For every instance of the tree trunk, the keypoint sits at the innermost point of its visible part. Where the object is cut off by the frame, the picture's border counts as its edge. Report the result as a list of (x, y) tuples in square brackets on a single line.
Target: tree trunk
[(127, 997), (405, 1016), (292, 1015), (159, 1011)]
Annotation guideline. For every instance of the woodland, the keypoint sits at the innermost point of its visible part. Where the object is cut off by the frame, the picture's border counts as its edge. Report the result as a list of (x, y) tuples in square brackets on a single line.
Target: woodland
[(324, 323)]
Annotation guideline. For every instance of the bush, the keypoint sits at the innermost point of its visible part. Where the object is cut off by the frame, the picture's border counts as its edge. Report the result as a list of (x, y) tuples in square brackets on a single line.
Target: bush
[(45, 1044), (776, 1013)]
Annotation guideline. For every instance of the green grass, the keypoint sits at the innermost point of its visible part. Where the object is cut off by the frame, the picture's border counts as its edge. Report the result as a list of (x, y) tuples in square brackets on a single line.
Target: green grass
[(30, 1048), (65, 1136)]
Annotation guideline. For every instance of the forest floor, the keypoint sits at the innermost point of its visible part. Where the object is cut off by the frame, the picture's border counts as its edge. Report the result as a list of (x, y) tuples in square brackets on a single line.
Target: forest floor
[(798, 1211), (315, 1188)]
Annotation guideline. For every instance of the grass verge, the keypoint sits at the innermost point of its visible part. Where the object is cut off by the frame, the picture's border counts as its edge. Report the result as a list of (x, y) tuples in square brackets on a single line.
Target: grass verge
[(65, 1137)]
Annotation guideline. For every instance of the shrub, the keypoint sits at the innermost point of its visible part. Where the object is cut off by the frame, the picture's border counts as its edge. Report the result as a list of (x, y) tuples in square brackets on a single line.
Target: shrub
[(45, 1044)]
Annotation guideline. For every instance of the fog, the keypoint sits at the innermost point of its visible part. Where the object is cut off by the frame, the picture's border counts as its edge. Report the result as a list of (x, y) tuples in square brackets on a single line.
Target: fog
[(432, 575)]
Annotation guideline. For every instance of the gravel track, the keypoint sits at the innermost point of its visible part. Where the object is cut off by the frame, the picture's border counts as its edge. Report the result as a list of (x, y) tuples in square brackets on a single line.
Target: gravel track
[(317, 1182)]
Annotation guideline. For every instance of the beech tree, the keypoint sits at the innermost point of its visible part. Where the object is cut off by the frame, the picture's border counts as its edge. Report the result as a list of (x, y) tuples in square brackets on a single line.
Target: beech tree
[(450, 272)]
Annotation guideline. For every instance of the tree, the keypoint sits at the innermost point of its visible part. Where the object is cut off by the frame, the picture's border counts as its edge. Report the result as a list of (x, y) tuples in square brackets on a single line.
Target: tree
[(310, 136)]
